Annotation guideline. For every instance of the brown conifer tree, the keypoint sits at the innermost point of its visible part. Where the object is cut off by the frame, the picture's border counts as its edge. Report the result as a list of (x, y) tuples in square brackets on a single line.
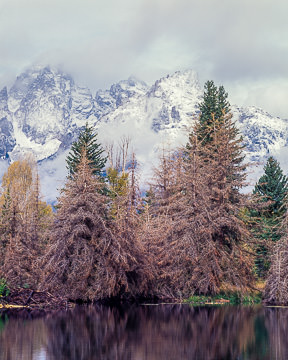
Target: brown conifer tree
[(276, 288), (86, 259), (163, 207), (205, 247), (129, 225), (126, 208)]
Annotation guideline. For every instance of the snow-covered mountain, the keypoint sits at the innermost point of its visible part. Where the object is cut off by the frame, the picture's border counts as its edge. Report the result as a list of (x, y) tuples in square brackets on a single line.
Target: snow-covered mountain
[(44, 111), (46, 108)]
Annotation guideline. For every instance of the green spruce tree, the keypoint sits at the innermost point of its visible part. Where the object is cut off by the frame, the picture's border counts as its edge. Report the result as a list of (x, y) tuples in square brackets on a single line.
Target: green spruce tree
[(270, 194), (272, 189), (216, 119), (93, 151), (223, 105), (213, 108)]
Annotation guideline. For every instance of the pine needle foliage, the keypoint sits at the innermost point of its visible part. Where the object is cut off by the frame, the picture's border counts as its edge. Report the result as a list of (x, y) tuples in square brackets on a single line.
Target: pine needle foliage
[(272, 189), (270, 196), (94, 152), (213, 107)]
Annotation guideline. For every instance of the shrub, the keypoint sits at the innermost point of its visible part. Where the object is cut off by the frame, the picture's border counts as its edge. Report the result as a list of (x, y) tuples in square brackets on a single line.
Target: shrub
[(4, 290)]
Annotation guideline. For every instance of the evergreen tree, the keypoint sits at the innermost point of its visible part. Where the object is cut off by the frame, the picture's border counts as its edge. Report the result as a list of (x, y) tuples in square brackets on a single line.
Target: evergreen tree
[(209, 103), (270, 194), (272, 188), (223, 106), (94, 152), (215, 121), (213, 107)]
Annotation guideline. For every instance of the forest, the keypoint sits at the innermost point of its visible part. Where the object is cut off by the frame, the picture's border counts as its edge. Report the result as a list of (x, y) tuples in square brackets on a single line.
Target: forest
[(194, 232)]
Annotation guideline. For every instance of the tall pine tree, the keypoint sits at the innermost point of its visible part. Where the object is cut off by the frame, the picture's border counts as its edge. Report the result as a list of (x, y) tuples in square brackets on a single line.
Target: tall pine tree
[(198, 200), (272, 188), (93, 151), (215, 121), (213, 108), (270, 194)]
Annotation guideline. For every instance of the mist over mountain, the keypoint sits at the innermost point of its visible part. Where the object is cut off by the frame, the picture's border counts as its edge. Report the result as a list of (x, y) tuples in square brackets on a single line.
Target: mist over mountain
[(44, 110)]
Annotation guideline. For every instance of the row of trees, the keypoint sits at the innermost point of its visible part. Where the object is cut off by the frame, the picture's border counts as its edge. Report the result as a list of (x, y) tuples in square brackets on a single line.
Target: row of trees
[(195, 232), (23, 223)]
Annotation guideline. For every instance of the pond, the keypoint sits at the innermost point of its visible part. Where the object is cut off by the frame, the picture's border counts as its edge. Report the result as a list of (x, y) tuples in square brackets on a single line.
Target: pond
[(147, 332)]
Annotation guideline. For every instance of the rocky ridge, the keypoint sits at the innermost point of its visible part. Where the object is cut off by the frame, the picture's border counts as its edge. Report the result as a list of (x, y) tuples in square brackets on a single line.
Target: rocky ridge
[(45, 109)]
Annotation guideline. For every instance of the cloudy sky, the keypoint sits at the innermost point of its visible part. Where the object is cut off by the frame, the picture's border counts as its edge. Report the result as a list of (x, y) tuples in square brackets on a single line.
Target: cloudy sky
[(242, 44)]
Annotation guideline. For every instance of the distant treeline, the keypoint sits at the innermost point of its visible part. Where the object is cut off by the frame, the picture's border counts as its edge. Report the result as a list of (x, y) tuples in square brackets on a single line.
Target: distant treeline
[(193, 233)]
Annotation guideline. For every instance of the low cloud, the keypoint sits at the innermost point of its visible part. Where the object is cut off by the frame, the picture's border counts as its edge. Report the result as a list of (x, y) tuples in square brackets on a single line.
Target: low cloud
[(237, 43)]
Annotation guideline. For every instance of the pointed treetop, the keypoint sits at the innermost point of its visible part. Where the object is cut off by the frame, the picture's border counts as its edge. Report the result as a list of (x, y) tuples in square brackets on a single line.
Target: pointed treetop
[(87, 140), (273, 186), (213, 108)]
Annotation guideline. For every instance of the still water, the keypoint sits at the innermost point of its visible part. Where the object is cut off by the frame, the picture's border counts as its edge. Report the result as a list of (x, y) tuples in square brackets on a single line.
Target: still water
[(147, 332)]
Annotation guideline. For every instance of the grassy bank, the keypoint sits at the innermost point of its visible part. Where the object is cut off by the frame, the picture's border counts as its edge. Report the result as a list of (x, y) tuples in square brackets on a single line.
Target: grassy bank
[(233, 298)]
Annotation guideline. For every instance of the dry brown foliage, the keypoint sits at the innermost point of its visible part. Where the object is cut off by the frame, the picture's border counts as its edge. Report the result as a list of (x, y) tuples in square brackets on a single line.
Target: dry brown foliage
[(200, 241), (91, 257), (35, 300), (126, 207), (129, 229), (24, 221), (19, 268), (276, 289)]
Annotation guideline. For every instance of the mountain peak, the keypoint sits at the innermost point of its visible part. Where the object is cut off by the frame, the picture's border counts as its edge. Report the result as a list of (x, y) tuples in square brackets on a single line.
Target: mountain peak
[(133, 81), (45, 109), (188, 74)]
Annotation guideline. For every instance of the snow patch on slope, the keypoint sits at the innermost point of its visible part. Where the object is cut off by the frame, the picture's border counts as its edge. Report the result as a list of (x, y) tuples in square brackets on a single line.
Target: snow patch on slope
[(44, 111)]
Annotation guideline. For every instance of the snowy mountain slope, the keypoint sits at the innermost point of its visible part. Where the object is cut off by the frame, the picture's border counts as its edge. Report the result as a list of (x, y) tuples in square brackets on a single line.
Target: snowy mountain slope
[(118, 95), (7, 140), (171, 106), (263, 133), (44, 111)]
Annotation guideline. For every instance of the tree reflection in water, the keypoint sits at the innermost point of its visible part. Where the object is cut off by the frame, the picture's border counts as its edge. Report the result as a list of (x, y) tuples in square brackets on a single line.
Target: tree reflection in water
[(148, 332), (21, 336), (159, 332)]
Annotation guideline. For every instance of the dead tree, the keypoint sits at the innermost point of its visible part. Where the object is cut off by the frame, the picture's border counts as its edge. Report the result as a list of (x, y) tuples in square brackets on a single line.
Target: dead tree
[(276, 289), (24, 221), (87, 259), (205, 248)]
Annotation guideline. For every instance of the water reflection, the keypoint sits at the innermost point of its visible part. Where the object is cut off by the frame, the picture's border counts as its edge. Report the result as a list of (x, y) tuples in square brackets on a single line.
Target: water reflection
[(148, 332), (22, 338)]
